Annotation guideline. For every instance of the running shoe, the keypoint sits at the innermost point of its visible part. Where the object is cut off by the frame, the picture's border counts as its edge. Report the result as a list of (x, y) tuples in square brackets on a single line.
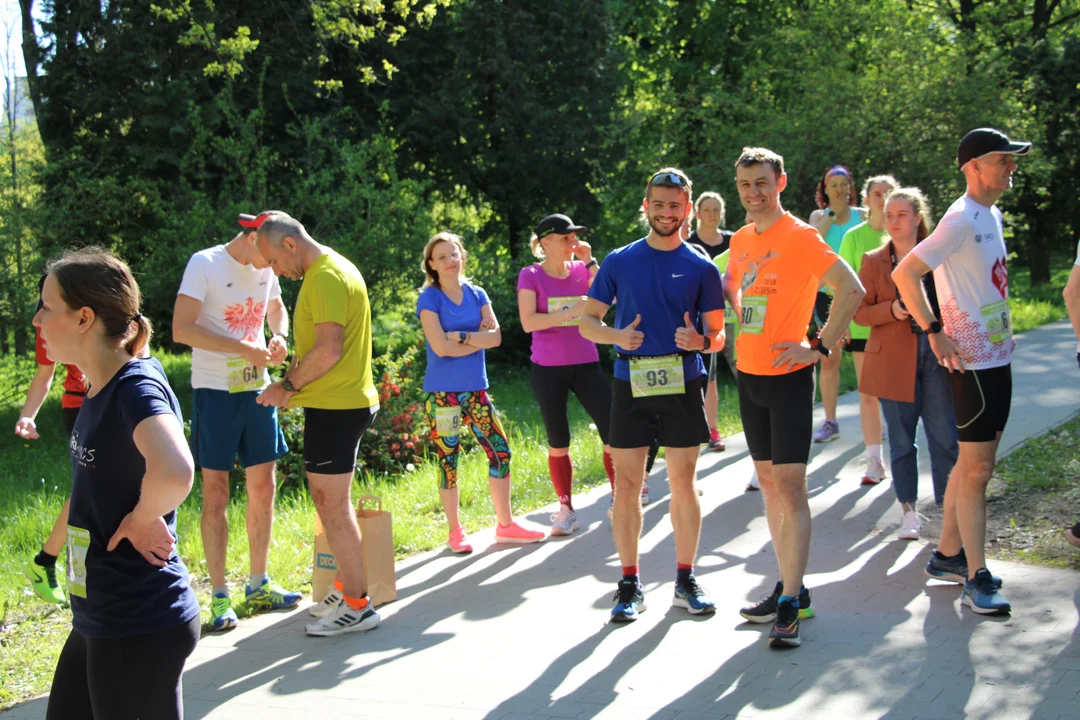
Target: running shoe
[(563, 522), (911, 525), (874, 472), (629, 602), (785, 632), (43, 580), (951, 569), (716, 443), (982, 596), (645, 492), (343, 619), (222, 615), (458, 542), (765, 611), (514, 533), (827, 432), (327, 604), (692, 597), (754, 485), (270, 596), (1072, 538)]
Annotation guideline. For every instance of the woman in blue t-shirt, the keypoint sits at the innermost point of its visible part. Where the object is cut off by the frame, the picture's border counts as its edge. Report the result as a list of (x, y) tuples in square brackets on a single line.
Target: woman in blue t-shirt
[(460, 325), (135, 619)]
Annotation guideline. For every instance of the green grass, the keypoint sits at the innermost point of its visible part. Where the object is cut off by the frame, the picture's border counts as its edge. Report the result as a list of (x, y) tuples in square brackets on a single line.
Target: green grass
[(1033, 307)]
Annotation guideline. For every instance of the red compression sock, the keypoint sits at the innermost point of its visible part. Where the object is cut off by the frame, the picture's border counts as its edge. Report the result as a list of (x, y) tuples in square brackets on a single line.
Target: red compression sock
[(562, 477), (609, 468)]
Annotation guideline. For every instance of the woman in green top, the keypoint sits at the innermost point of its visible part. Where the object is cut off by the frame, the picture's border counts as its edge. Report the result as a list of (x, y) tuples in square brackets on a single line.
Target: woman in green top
[(857, 241)]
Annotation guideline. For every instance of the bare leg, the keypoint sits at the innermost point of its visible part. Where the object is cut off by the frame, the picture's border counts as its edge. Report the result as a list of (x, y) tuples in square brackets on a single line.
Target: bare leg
[(626, 520), (214, 523), (869, 408), (793, 540), (773, 514), (500, 498), (977, 463), (710, 404), (685, 506), (449, 498), (830, 382), (260, 513), (54, 544), (331, 494)]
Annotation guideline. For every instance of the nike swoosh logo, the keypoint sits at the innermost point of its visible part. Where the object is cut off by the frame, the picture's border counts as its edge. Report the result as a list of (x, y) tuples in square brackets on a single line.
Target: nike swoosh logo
[(678, 276)]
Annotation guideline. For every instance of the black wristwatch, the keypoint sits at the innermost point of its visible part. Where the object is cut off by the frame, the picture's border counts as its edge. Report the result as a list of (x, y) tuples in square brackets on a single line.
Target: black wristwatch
[(287, 384), (934, 329), (815, 344), (708, 343), (830, 213), (591, 263), (462, 337)]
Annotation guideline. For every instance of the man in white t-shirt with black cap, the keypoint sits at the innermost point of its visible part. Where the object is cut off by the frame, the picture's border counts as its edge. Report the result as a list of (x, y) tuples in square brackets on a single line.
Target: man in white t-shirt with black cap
[(973, 341)]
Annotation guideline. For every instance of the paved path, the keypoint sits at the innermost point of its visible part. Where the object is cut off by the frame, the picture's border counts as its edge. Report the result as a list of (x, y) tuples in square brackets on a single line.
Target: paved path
[(521, 632)]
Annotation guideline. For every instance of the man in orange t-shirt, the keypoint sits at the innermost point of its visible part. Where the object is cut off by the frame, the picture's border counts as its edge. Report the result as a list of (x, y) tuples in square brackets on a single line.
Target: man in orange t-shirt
[(774, 268), (41, 570)]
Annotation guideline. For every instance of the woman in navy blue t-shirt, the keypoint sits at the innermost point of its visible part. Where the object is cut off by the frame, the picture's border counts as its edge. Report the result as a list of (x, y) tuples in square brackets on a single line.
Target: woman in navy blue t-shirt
[(135, 619), (459, 325)]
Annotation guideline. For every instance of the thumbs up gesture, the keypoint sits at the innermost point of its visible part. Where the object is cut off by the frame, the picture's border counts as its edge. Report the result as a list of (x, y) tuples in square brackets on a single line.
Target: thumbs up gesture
[(631, 337), (687, 337)]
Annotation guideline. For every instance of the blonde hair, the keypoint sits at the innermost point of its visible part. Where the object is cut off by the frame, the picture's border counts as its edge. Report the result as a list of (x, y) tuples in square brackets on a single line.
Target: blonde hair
[(431, 276), (889, 180), (536, 247), (919, 204), (709, 195)]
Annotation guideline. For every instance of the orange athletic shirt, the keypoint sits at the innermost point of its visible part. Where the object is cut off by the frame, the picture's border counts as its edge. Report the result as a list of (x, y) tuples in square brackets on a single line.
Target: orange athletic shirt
[(783, 266), (75, 382)]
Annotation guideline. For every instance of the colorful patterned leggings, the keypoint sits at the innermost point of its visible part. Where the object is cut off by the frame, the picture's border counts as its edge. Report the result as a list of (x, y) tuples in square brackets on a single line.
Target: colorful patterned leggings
[(448, 414)]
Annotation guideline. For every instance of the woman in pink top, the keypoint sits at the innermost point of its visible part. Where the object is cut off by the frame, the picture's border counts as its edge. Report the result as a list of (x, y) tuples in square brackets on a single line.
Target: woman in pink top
[(551, 299)]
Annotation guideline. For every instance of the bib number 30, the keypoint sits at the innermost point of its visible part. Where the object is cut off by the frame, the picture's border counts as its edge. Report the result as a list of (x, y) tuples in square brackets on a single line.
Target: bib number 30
[(753, 314)]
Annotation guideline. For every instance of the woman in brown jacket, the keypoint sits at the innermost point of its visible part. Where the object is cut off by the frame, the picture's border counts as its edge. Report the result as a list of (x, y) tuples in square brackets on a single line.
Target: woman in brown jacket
[(900, 368)]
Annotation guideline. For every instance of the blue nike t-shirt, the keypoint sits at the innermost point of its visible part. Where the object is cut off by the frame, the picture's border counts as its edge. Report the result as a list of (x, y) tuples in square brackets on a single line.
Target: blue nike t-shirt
[(661, 286), (122, 594), (455, 374)]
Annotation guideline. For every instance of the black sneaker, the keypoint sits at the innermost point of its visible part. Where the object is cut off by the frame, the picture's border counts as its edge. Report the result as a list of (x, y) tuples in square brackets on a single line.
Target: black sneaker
[(785, 632), (629, 602), (765, 611), (951, 569)]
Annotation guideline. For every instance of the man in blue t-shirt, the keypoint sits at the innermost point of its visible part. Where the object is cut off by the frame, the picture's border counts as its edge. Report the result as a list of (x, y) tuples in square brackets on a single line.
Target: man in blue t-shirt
[(663, 287)]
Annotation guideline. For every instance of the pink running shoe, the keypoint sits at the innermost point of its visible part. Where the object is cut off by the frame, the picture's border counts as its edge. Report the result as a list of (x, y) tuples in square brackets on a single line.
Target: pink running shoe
[(458, 543), (514, 533)]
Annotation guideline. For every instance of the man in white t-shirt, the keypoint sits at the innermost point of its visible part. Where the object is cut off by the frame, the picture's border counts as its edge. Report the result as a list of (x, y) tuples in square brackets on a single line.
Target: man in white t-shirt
[(227, 295), (973, 341), (1072, 303)]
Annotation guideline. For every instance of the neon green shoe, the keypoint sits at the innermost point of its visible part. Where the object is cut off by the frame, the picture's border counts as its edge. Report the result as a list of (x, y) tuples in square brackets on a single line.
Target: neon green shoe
[(43, 580), (270, 596), (222, 616)]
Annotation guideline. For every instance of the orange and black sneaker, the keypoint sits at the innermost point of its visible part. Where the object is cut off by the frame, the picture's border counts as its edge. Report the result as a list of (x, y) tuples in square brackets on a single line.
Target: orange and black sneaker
[(785, 632)]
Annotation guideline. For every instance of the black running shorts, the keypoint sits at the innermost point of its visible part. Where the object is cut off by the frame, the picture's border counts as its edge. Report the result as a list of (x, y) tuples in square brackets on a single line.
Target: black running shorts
[(675, 421), (982, 399), (777, 415), (332, 438)]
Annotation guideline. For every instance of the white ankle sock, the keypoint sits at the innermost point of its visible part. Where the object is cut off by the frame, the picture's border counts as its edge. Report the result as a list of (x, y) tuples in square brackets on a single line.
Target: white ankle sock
[(874, 451)]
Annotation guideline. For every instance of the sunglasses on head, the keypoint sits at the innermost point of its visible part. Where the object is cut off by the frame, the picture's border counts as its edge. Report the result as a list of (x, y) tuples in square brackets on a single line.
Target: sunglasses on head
[(667, 179)]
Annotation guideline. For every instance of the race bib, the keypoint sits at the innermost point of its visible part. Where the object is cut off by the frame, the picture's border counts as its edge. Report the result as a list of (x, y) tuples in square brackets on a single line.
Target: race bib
[(555, 304), (657, 376), (998, 322), (448, 421), (243, 376), (78, 543), (753, 314)]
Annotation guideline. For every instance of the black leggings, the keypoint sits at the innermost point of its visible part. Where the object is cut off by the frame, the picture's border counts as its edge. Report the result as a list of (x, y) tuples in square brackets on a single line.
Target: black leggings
[(125, 678), (552, 384)]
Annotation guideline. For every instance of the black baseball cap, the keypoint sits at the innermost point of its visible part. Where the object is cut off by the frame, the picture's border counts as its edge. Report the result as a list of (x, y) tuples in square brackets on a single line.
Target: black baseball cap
[(559, 225), (983, 141)]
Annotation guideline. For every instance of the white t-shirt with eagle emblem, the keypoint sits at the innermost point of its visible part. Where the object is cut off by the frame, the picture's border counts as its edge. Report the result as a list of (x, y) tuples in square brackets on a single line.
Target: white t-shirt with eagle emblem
[(967, 253), (234, 299)]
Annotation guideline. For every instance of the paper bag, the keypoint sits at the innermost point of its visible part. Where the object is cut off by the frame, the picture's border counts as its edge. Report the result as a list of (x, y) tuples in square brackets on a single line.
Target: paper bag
[(377, 554)]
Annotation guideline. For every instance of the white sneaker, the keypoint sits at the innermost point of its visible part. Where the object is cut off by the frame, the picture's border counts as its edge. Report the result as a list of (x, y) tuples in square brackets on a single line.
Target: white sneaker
[(874, 473), (754, 483), (564, 522), (645, 492), (332, 600), (343, 619), (911, 525)]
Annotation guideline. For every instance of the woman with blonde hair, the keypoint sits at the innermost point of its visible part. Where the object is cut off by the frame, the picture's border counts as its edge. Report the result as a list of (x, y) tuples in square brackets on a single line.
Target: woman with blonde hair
[(900, 367), (551, 298), (135, 619), (460, 325)]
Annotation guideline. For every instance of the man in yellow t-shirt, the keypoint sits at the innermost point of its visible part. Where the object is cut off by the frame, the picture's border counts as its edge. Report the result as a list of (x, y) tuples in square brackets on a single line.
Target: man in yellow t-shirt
[(331, 379)]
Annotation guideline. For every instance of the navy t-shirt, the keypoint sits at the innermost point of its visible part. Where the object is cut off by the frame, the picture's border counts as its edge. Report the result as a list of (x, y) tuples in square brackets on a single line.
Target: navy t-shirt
[(660, 285), (455, 374), (124, 594)]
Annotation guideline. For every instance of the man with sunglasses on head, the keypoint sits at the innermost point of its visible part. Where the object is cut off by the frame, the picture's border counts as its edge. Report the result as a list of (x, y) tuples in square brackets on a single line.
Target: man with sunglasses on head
[(775, 265), (663, 287)]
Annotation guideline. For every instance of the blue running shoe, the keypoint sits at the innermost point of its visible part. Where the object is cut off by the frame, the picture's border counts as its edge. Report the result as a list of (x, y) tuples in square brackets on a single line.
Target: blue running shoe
[(629, 602), (982, 596), (270, 596), (222, 616), (951, 569), (692, 597)]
